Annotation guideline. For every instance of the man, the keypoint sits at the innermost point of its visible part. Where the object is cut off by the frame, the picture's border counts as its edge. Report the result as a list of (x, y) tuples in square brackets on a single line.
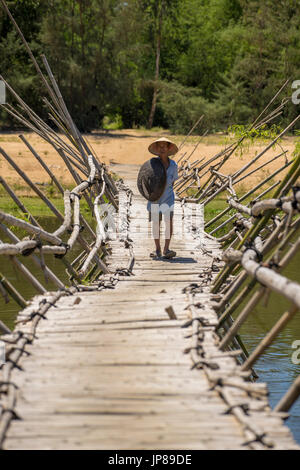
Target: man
[(164, 148)]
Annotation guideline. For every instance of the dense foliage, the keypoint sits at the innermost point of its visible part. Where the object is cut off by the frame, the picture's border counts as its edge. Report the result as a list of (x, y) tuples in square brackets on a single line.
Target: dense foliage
[(221, 58)]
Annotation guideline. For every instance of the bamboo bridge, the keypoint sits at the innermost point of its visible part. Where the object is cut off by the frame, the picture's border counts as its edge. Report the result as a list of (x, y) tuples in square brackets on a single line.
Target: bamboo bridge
[(113, 360), (141, 353)]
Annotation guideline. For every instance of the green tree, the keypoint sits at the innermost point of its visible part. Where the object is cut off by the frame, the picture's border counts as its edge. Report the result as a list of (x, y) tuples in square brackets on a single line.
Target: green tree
[(144, 60), (16, 66)]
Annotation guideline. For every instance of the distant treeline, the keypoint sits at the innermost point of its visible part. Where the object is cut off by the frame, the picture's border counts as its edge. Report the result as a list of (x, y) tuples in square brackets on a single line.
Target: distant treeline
[(155, 62)]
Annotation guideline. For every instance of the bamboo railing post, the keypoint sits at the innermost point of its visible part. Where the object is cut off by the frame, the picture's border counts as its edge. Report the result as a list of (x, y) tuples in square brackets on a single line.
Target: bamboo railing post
[(111, 188), (242, 198), (53, 140), (42, 163), (234, 146), (269, 338), (259, 294), (270, 102), (236, 302), (252, 233), (63, 107), (242, 318), (27, 275), (17, 201), (31, 184), (4, 329), (260, 167), (243, 276), (35, 259), (29, 50), (190, 131), (47, 271), (4, 294), (290, 397), (12, 291), (241, 170), (45, 199)]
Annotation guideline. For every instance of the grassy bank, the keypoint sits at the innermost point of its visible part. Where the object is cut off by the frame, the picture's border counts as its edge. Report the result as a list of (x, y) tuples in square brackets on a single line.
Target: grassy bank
[(41, 212), (218, 204)]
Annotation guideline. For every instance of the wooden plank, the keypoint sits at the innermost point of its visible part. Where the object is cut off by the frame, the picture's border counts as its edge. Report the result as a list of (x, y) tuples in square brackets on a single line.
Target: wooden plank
[(114, 361)]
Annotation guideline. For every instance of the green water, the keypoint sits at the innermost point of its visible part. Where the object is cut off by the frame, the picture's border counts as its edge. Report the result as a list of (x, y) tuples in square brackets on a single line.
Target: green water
[(8, 311), (275, 367)]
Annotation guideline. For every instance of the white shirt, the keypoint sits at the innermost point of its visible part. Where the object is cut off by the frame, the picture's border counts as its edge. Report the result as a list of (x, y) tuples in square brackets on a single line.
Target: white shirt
[(168, 196)]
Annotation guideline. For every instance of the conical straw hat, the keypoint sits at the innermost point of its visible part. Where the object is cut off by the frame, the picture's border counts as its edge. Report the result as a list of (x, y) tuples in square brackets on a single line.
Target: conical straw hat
[(153, 148)]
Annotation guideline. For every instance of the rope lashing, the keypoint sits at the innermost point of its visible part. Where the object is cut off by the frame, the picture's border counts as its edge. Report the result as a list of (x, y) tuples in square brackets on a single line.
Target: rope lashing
[(66, 246), (250, 246), (29, 251)]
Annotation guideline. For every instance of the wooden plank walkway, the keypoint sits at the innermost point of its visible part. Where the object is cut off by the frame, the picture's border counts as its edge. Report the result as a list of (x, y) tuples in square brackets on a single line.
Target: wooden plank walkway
[(107, 369)]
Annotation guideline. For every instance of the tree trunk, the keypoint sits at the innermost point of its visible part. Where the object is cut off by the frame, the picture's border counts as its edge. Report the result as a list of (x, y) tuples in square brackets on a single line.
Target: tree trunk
[(157, 61)]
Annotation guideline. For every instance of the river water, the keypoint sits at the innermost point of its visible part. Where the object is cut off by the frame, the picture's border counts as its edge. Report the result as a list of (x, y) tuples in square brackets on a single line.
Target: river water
[(280, 364), (276, 367)]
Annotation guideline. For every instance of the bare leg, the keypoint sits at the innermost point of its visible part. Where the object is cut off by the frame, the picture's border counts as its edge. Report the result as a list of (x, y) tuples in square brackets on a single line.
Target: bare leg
[(156, 220), (168, 230)]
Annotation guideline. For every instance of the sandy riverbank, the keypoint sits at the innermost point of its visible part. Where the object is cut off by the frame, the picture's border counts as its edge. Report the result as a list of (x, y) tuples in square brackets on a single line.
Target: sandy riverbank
[(130, 147)]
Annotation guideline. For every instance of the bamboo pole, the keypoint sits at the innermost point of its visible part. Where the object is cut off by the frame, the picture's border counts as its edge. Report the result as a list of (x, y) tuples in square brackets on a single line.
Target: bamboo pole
[(190, 131), (48, 273), (236, 302), (236, 284), (31, 184), (29, 51), (43, 130), (27, 274), (252, 233), (183, 155), (10, 219), (234, 182), (111, 188), (35, 259), (12, 292), (78, 181), (286, 183), (58, 120), (261, 166), (49, 204), (4, 329), (4, 294), (269, 338), (290, 397), (271, 101), (273, 283), (101, 236), (63, 107), (242, 198), (255, 125), (239, 172), (271, 279), (53, 140), (43, 164), (240, 320), (17, 201), (196, 146)]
